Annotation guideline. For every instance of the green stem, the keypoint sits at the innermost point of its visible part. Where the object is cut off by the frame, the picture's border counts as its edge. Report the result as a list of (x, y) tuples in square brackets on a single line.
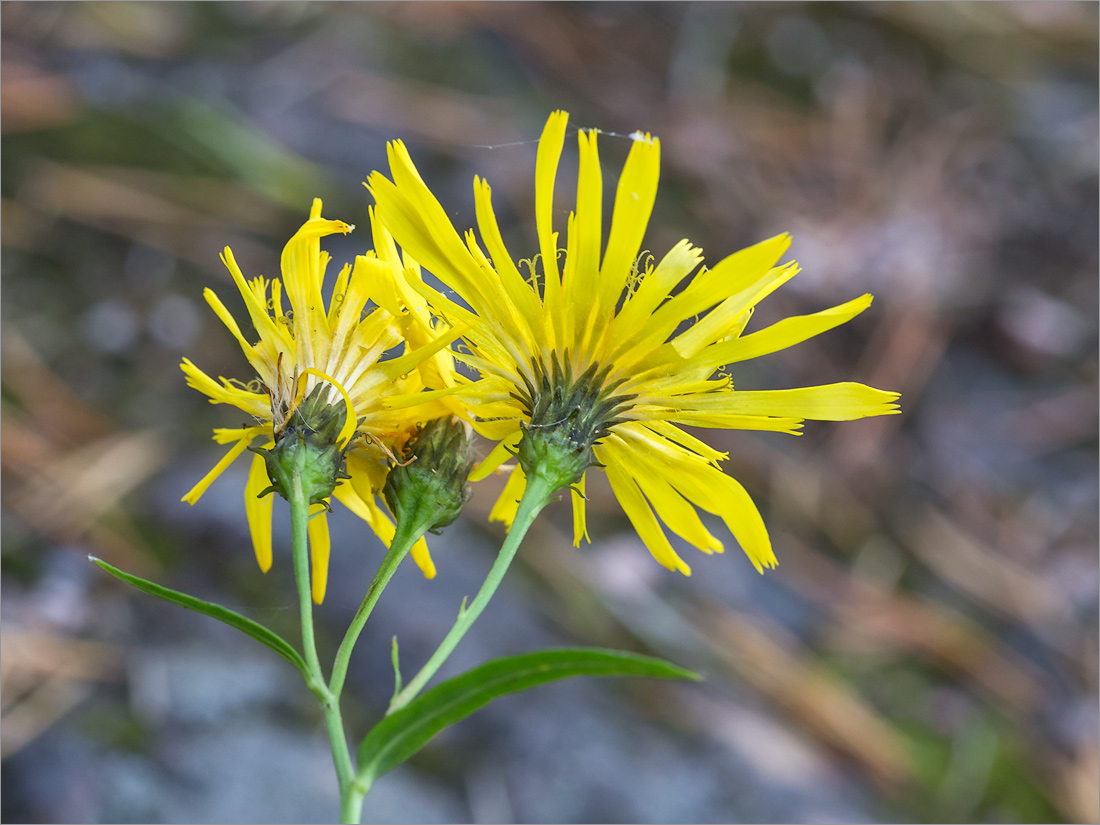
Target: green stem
[(351, 794), (299, 542), (535, 496), (404, 538)]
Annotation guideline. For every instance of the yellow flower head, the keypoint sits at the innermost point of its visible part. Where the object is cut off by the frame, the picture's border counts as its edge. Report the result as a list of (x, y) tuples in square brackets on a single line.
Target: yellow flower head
[(304, 345), (594, 343)]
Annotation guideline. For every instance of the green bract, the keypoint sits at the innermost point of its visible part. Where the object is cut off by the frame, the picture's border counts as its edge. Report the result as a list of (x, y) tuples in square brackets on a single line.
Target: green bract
[(308, 445), (429, 488)]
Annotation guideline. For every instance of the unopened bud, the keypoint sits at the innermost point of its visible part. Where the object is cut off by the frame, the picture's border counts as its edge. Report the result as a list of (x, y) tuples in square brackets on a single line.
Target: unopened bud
[(307, 443), (429, 487)]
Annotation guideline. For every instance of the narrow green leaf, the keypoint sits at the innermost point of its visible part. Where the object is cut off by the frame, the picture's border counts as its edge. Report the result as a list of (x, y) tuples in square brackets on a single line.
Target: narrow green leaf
[(396, 667), (403, 733), (215, 611)]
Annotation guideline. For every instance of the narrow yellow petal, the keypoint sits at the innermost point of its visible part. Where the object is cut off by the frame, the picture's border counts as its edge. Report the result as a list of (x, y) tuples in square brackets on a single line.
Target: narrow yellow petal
[(506, 506), (580, 523), (258, 510), (845, 401), (417, 221), (546, 169), (630, 325), (720, 322), (657, 478), (231, 324), (423, 558), (496, 430), (733, 276), (582, 266), (641, 516), (302, 265), (676, 512), (253, 403), (730, 500), (383, 527), (498, 455), (367, 477), (700, 483), (517, 290), (791, 426), (405, 363), (347, 495), (195, 493), (783, 334), (415, 399), (674, 434), (338, 291), (634, 197), (271, 334), (318, 554)]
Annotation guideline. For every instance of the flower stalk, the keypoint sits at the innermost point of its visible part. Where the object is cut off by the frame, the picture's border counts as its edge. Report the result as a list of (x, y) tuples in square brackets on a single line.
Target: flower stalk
[(330, 703), (538, 493)]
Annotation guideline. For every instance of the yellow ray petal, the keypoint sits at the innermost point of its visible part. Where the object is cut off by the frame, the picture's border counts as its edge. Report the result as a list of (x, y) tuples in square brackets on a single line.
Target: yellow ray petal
[(253, 403), (676, 512), (347, 495), (318, 554), (195, 493), (506, 505), (405, 363), (728, 499), (420, 224), (231, 324), (791, 426), (546, 169), (271, 334), (845, 401), (703, 485), (367, 475), (634, 197), (498, 455), (415, 399), (783, 334), (302, 265), (580, 283), (630, 325), (580, 522), (731, 276), (670, 431), (384, 529), (423, 558), (728, 316), (641, 516), (258, 510), (518, 292), (654, 478), (338, 290)]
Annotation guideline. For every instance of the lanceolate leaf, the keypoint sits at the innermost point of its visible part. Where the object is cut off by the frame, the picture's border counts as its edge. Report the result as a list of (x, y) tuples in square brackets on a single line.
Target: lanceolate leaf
[(400, 735), (215, 611)]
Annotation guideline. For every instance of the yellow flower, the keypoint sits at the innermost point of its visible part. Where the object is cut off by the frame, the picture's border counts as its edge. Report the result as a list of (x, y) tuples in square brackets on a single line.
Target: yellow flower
[(595, 343), (307, 345)]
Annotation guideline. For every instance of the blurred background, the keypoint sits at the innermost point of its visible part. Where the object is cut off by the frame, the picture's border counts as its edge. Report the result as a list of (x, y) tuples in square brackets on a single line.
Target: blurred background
[(927, 648)]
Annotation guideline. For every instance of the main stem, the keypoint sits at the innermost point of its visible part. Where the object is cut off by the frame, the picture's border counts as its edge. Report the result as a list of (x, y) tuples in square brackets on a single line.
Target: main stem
[(536, 495), (351, 794)]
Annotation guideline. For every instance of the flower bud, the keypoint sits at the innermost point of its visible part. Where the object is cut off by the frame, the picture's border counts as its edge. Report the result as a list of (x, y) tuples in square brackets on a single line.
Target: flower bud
[(429, 489), (307, 443)]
